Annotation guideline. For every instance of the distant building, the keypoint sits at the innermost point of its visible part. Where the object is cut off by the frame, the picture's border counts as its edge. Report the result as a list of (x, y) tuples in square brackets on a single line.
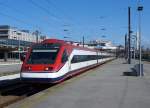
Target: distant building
[(14, 41), (8, 32)]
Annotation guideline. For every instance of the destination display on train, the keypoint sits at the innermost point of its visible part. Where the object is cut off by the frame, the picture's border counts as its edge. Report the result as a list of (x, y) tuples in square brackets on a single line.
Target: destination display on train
[(51, 50), (46, 46)]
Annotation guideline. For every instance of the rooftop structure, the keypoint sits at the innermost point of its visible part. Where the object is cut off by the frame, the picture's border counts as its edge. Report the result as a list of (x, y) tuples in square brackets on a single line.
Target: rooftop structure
[(102, 44)]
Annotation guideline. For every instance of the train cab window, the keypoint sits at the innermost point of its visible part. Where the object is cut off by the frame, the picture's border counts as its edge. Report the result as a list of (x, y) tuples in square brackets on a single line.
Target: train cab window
[(64, 57), (43, 54)]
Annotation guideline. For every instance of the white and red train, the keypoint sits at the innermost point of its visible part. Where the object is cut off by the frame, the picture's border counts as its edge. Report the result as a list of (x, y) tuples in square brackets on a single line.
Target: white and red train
[(52, 61)]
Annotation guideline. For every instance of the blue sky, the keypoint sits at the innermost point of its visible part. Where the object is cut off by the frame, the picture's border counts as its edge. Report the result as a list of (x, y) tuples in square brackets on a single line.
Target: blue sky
[(93, 19)]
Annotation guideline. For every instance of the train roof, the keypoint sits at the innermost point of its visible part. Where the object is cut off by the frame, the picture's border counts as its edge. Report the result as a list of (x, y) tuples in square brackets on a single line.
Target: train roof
[(62, 42), (54, 41)]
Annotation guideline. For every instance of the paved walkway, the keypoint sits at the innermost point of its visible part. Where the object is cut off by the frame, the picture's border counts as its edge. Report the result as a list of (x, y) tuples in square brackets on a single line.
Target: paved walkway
[(9, 77), (9, 69), (9, 62), (103, 87)]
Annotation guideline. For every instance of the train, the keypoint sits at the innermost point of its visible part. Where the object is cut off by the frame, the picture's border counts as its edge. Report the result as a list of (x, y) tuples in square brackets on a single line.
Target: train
[(54, 60)]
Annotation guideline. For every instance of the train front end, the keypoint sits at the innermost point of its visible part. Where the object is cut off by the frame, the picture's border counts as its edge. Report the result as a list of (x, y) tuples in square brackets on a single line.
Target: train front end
[(41, 63)]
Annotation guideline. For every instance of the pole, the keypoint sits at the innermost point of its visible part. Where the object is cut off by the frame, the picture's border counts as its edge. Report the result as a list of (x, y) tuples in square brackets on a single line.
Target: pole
[(83, 41), (135, 46), (37, 36), (140, 42), (129, 38), (19, 34), (126, 46), (19, 47), (140, 8)]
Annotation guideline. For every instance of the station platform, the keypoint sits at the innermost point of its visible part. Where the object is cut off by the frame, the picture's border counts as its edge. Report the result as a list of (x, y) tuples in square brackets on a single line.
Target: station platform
[(9, 68), (9, 77), (102, 87), (10, 62)]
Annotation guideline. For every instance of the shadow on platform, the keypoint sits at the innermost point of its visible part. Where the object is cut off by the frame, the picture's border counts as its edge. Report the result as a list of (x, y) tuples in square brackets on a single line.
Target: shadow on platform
[(131, 73)]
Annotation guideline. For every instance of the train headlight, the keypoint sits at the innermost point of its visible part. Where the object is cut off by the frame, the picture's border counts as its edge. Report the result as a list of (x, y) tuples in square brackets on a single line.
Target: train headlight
[(48, 68)]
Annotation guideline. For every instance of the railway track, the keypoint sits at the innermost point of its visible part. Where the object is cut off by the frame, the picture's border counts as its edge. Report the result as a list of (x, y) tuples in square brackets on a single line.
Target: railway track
[(10, 93), (15, 90)]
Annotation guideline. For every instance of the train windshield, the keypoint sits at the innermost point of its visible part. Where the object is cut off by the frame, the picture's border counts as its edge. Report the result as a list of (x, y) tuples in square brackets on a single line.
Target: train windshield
[(43, 53)]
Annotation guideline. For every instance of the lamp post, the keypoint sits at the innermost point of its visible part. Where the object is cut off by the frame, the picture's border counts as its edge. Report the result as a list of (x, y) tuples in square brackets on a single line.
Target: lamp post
[(139, 9), (129, 35), (37, 33), (126, 46), (17, 33), (19, 43), (14, 37)]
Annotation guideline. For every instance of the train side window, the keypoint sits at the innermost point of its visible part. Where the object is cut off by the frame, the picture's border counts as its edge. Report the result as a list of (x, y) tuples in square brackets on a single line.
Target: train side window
[(64, 57), (82, 58), (74, 59)]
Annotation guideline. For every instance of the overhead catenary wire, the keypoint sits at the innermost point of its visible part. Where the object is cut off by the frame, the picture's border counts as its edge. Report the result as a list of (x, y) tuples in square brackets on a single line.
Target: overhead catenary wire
[(22, 14), (5, 5), (16, 19), (45, 10), (68, 19), (52, 4)]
